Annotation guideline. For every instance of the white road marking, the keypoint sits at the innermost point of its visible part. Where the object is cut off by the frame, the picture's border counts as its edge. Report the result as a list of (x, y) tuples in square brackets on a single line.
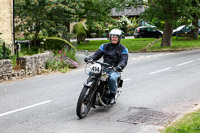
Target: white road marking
[(160, 70), (127, 79), (185, 63), (21, 109)]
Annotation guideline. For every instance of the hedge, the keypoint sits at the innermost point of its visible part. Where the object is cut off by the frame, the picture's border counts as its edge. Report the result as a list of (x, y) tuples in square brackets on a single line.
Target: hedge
[(79, 29), (55, 43)]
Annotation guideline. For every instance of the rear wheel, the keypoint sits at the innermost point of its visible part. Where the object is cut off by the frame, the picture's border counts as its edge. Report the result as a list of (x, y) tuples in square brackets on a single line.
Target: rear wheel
[(84, 103)]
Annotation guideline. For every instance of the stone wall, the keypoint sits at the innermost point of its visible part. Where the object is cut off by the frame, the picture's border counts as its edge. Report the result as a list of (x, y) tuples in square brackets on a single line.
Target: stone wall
[(6, 21), (5, 70), (28, 66), (35, 64)]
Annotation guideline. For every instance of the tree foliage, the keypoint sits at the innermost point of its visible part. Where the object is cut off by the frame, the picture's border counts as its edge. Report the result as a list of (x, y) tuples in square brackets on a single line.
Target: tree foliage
[(97, 10), (167, 11), (50, 17), (45, 16)]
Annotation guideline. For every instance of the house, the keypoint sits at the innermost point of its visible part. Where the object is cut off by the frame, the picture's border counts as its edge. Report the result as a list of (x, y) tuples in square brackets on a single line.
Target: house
[(6, 22), (129, 12)]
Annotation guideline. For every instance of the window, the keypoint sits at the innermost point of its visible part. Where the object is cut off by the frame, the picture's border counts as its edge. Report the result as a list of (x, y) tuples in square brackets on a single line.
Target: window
[(149, 29)]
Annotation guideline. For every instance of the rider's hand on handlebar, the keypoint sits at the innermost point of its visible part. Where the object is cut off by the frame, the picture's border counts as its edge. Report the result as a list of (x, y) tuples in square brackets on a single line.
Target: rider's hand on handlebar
[(118, 68), (87, 59)]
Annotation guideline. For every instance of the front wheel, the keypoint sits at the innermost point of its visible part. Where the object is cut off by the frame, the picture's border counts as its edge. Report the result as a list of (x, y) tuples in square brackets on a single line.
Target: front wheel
[(84, 103)]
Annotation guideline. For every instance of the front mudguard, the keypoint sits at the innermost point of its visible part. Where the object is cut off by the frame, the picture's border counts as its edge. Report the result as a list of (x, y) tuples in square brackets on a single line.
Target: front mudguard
[(89, 84)]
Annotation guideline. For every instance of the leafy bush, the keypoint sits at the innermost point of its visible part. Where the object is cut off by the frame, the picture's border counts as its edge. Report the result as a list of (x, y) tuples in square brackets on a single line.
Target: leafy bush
[(61, 61), (7, 53), (75, 28), (81, 33), (79, 29), (55, 44)]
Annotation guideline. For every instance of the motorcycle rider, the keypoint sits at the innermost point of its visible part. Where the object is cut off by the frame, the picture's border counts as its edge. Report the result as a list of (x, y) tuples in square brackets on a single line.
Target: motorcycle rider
[(115, 54)]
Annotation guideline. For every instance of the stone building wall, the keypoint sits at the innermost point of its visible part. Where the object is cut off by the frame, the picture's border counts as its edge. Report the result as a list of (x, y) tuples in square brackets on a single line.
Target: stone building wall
[(28, 66), (6, 21)]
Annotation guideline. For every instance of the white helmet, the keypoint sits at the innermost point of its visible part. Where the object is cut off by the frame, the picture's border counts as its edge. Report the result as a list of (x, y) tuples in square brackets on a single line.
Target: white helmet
[(115, 32)]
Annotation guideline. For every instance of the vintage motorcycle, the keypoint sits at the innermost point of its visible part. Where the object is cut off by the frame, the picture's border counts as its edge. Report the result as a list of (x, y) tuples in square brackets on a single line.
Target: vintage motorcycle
[(96, 90)]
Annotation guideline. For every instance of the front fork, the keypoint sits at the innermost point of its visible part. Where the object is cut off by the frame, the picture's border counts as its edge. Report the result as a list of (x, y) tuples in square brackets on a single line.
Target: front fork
[(92, 85)]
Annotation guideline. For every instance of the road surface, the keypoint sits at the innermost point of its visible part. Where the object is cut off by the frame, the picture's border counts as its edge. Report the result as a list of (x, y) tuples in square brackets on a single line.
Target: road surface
[(156, 84)]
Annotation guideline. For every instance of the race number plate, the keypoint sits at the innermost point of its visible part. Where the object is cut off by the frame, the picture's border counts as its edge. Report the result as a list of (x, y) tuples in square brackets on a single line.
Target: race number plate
[(95, 68)]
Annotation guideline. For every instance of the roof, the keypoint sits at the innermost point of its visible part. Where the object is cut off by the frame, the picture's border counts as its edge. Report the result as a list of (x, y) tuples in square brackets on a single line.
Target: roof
[(149, 26), (129, 11)]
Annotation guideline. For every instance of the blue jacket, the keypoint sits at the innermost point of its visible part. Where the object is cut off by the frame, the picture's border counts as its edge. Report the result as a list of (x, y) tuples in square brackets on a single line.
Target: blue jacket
[(113, 54)]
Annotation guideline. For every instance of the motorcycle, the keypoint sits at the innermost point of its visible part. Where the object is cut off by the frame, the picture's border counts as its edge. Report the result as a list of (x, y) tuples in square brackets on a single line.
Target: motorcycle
[(96, 90)]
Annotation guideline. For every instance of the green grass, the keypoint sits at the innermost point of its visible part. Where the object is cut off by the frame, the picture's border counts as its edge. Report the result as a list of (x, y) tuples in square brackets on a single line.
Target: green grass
[(190, 123), (183, 43), (133, 45), (92, 45), (137, 45)]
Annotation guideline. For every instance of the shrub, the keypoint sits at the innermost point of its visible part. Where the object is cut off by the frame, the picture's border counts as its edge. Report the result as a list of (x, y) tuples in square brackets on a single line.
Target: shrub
[(55, 44), (81, 33), (7, 53), (61, 61), (80, 30), (75, 28)]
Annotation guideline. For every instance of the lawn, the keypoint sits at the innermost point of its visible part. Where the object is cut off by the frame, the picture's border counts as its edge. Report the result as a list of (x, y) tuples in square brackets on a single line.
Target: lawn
[(183, 43), (133, 45), (138, 44)]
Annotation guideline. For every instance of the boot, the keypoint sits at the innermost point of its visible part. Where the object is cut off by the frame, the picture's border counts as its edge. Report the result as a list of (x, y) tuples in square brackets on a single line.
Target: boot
[(112, 98)]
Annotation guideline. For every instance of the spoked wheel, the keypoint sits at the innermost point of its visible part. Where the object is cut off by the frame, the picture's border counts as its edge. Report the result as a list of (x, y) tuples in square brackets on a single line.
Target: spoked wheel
[(84, 103)]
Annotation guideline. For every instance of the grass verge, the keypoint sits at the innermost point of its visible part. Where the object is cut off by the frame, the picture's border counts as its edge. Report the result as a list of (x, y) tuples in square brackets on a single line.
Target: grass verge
[(139, 44), (133, 45), (190, 123), (183, 43)]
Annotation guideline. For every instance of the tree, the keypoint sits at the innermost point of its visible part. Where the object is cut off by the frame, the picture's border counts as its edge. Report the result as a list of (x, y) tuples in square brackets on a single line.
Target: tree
[(194, 12), (167, 11), (45, 16), (97, 10), (51, 17)]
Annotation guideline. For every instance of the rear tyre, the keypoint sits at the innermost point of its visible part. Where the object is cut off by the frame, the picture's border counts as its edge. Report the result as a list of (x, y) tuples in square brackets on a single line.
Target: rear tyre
[(84, 103)]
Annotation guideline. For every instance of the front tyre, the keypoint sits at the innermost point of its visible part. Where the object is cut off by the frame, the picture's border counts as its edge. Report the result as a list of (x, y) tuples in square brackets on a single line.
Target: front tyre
[(84, 103)]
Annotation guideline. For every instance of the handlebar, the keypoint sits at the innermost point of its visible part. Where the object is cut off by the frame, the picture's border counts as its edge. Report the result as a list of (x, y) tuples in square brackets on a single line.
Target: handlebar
[(103, 64)]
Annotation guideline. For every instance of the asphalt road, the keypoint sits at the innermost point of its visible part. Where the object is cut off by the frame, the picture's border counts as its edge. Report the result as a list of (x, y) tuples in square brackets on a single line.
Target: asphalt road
[(163, 82)]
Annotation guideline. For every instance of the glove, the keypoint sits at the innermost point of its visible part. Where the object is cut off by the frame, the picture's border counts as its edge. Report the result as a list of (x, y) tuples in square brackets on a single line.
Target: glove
[(118, 69), (87, 59)]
